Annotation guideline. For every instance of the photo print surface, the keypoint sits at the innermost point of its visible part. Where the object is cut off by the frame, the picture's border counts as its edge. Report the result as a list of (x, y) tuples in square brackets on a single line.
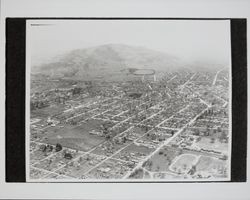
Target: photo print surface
[(128, 100)]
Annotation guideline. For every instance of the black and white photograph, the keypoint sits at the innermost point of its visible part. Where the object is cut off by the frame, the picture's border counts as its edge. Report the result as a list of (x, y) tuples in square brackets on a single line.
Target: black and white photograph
[(122, 100), (128, 100)]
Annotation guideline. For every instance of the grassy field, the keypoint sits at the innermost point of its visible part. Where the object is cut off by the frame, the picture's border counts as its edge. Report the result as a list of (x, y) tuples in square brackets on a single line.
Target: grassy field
[(77, 137), (47, 111), (162, 159), (183, 163), (205, 143), (209, 164), (137, 149)]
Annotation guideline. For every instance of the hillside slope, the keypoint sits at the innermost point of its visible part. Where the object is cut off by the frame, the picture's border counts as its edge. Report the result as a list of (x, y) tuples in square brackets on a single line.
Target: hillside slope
[(108, 60)]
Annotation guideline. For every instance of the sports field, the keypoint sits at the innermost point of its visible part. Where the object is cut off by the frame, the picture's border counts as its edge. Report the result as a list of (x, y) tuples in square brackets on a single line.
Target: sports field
[(183, 163)]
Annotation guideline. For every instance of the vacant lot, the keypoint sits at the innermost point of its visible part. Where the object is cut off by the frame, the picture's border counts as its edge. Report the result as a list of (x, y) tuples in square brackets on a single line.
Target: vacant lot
[(77, 137)]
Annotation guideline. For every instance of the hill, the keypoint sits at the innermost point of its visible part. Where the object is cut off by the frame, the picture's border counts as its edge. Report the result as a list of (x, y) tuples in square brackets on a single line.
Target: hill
[(107, 61)]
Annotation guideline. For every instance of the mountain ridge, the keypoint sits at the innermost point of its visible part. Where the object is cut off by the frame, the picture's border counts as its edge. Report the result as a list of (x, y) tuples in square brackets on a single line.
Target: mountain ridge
[(108, 58)]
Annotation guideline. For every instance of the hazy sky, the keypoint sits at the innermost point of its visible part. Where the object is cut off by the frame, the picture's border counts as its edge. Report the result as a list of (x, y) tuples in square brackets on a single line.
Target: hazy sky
[(191, 40)]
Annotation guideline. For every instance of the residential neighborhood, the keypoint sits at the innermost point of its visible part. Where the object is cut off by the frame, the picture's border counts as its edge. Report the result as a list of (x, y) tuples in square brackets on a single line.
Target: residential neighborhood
[(153, 126)]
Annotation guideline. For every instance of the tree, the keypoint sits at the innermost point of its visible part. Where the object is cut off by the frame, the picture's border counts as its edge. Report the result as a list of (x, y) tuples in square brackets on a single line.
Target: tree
[(184, 166), (58, 147), (76, 90), (206, 133), (172, 132), (49, 148), (196, 132), (124, 139), (73, 122), (223, 136), (219, 129), (153, 136), (43, 148), (68, 156), (192, 170), (107, 136), (198, 139), (212, 140), (224, 157)]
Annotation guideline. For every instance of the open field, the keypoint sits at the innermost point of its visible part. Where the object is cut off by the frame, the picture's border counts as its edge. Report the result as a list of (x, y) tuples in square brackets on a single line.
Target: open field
[(133, 152), (47, 111), (76, 137), (212, 144), (209, 164), (162, 159), (183, 163)]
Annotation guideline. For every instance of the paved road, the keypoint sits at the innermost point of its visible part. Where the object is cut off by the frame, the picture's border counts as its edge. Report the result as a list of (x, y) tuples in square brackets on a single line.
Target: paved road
[(215, 78), (139, 165)]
